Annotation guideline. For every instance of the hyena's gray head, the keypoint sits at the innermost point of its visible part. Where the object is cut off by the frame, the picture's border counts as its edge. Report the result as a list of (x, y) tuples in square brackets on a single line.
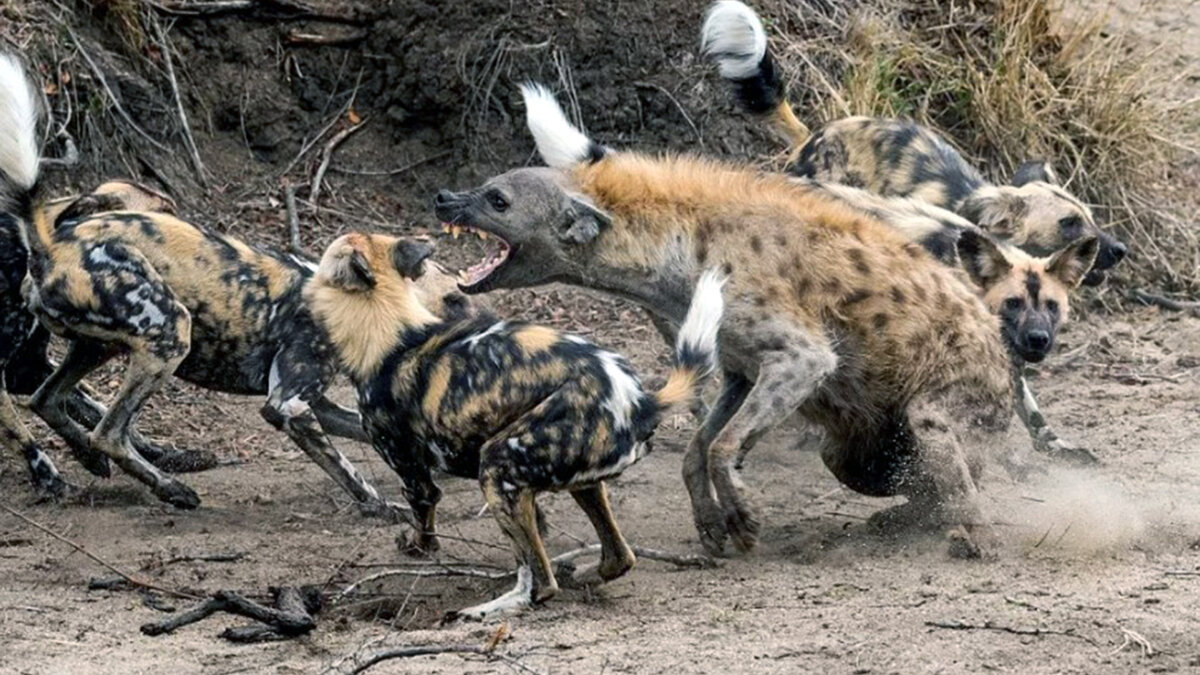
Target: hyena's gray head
[(536, 227), (1029, 295), (1039, 217)]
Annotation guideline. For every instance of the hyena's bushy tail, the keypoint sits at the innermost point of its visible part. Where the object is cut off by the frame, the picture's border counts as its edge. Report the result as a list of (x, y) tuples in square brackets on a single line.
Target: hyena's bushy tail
[(696, 346), (734, 39), (19, 157)]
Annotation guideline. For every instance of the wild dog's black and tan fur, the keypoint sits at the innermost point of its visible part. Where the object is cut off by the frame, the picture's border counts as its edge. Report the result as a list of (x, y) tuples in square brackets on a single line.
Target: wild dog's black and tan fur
[(24, 343), (177, 299), (902, 158), (522, 408)]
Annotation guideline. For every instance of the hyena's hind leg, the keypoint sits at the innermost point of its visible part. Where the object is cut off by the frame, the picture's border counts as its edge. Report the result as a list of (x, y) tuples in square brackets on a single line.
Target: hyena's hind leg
[(616, 558)]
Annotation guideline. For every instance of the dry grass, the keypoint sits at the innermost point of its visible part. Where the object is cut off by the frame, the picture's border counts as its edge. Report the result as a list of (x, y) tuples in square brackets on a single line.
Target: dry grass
[(1008, 81)]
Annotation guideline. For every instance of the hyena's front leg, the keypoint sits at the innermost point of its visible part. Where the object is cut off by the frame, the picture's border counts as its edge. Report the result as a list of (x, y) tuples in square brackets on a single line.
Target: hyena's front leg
[(1044, 439), (792, 364)]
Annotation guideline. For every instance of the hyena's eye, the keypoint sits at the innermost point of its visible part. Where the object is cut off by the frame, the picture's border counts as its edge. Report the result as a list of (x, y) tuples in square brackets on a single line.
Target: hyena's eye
[(1052, 306), (497, 200), (1014, 304), (1071, 227)]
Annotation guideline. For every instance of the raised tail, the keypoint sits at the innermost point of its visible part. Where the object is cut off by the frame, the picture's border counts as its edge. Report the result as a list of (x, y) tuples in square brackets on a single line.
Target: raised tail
[(19, 146), (733, 38), (696, 345), (560, 144)]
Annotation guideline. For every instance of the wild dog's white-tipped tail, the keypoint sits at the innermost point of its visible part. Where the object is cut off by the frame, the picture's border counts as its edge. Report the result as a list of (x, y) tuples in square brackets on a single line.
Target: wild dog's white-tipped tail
[(18, 126), (559, 143), (733, 36), (696, 344)]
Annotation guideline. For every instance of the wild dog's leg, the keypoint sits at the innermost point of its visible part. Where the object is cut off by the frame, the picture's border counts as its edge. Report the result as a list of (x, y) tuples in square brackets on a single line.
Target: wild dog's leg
[(31, 366), (149, 368), (705, 508), (48, 401), (789, 372), (295, 384), (46, 480), (339, 421), (515, 512), (616, 558), (423, 496), (944, 475), (1045, 440)]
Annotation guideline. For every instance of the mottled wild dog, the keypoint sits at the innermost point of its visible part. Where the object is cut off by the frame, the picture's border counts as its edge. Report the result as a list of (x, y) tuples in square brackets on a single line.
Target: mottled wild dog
[(177, 299), (901, 158), (520, 407), (828, 312), (23, 343)]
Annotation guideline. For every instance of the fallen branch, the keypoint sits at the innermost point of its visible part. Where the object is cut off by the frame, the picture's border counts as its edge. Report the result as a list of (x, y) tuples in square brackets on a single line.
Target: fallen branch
[(293, 220), (129, 578), (108, 90), (188, 139), (308, 145), (1189, 307), (266, 9), (391, 172), (326, 155), (954, 624), (295, 38), (292, 615)]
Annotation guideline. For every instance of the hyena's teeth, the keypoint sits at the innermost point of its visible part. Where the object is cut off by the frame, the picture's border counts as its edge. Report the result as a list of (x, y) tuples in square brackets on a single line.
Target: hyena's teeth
[(481, 234)]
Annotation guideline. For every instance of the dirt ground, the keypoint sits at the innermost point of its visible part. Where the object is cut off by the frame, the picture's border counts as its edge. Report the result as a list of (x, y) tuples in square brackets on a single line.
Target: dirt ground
[(1099, 569)]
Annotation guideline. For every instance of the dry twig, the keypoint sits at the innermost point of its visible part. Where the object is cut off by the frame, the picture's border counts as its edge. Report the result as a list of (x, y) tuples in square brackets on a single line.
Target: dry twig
[(392, 172), (326, 155), (1190, 307), (954, 624), (293, 220), (188, 139), (129, 578)]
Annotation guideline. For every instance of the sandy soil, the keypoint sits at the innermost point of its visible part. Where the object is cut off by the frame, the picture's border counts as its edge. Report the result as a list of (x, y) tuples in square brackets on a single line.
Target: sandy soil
[(1099, 571)]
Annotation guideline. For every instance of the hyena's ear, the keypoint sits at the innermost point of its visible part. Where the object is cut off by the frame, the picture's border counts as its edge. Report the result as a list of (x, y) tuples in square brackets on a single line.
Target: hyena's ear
[(1032, 170), (408, 257), (582, 221), (1071, 264), (995, 211), (982, 258)]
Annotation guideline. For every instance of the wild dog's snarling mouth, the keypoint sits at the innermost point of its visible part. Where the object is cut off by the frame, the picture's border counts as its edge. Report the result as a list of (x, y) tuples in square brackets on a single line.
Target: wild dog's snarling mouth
[(496, 254)]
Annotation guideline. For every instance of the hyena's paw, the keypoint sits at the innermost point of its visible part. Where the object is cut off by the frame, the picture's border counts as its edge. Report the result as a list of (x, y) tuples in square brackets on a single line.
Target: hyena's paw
[(744, 525), (177, 494), (712, 527), (972, 543)]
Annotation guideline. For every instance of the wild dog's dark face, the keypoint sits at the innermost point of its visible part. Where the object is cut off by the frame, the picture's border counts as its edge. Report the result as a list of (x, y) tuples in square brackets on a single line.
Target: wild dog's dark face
[(1038, 216), (534, 220), (1029, 295)]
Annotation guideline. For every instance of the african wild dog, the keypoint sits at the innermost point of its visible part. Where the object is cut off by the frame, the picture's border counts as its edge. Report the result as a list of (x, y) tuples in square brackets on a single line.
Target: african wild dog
[(901, 158), (23, 349), (828, 312), (179, 300), (520, 407)]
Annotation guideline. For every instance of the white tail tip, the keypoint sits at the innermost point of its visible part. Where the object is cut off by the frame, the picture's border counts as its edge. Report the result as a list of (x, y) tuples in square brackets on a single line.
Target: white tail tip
[(559, 143), (18, 124), (698, 334), (733, 36)]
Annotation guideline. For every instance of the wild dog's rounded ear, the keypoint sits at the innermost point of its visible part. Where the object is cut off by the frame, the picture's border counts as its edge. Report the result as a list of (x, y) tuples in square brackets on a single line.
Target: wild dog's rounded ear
[(408, 256), (996, 211), (583, 221), (1071, 264), (1032, 170), (349, 273), (982, 258), (89, 205)]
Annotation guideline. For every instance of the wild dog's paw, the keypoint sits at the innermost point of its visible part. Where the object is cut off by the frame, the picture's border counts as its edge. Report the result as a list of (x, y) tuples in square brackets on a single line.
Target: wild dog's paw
[(417, 544), (54, 488), (177, 494), (1063, 451)]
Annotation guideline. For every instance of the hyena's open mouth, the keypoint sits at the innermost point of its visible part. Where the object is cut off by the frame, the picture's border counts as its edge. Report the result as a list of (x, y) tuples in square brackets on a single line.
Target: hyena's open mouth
[(496, 254)]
